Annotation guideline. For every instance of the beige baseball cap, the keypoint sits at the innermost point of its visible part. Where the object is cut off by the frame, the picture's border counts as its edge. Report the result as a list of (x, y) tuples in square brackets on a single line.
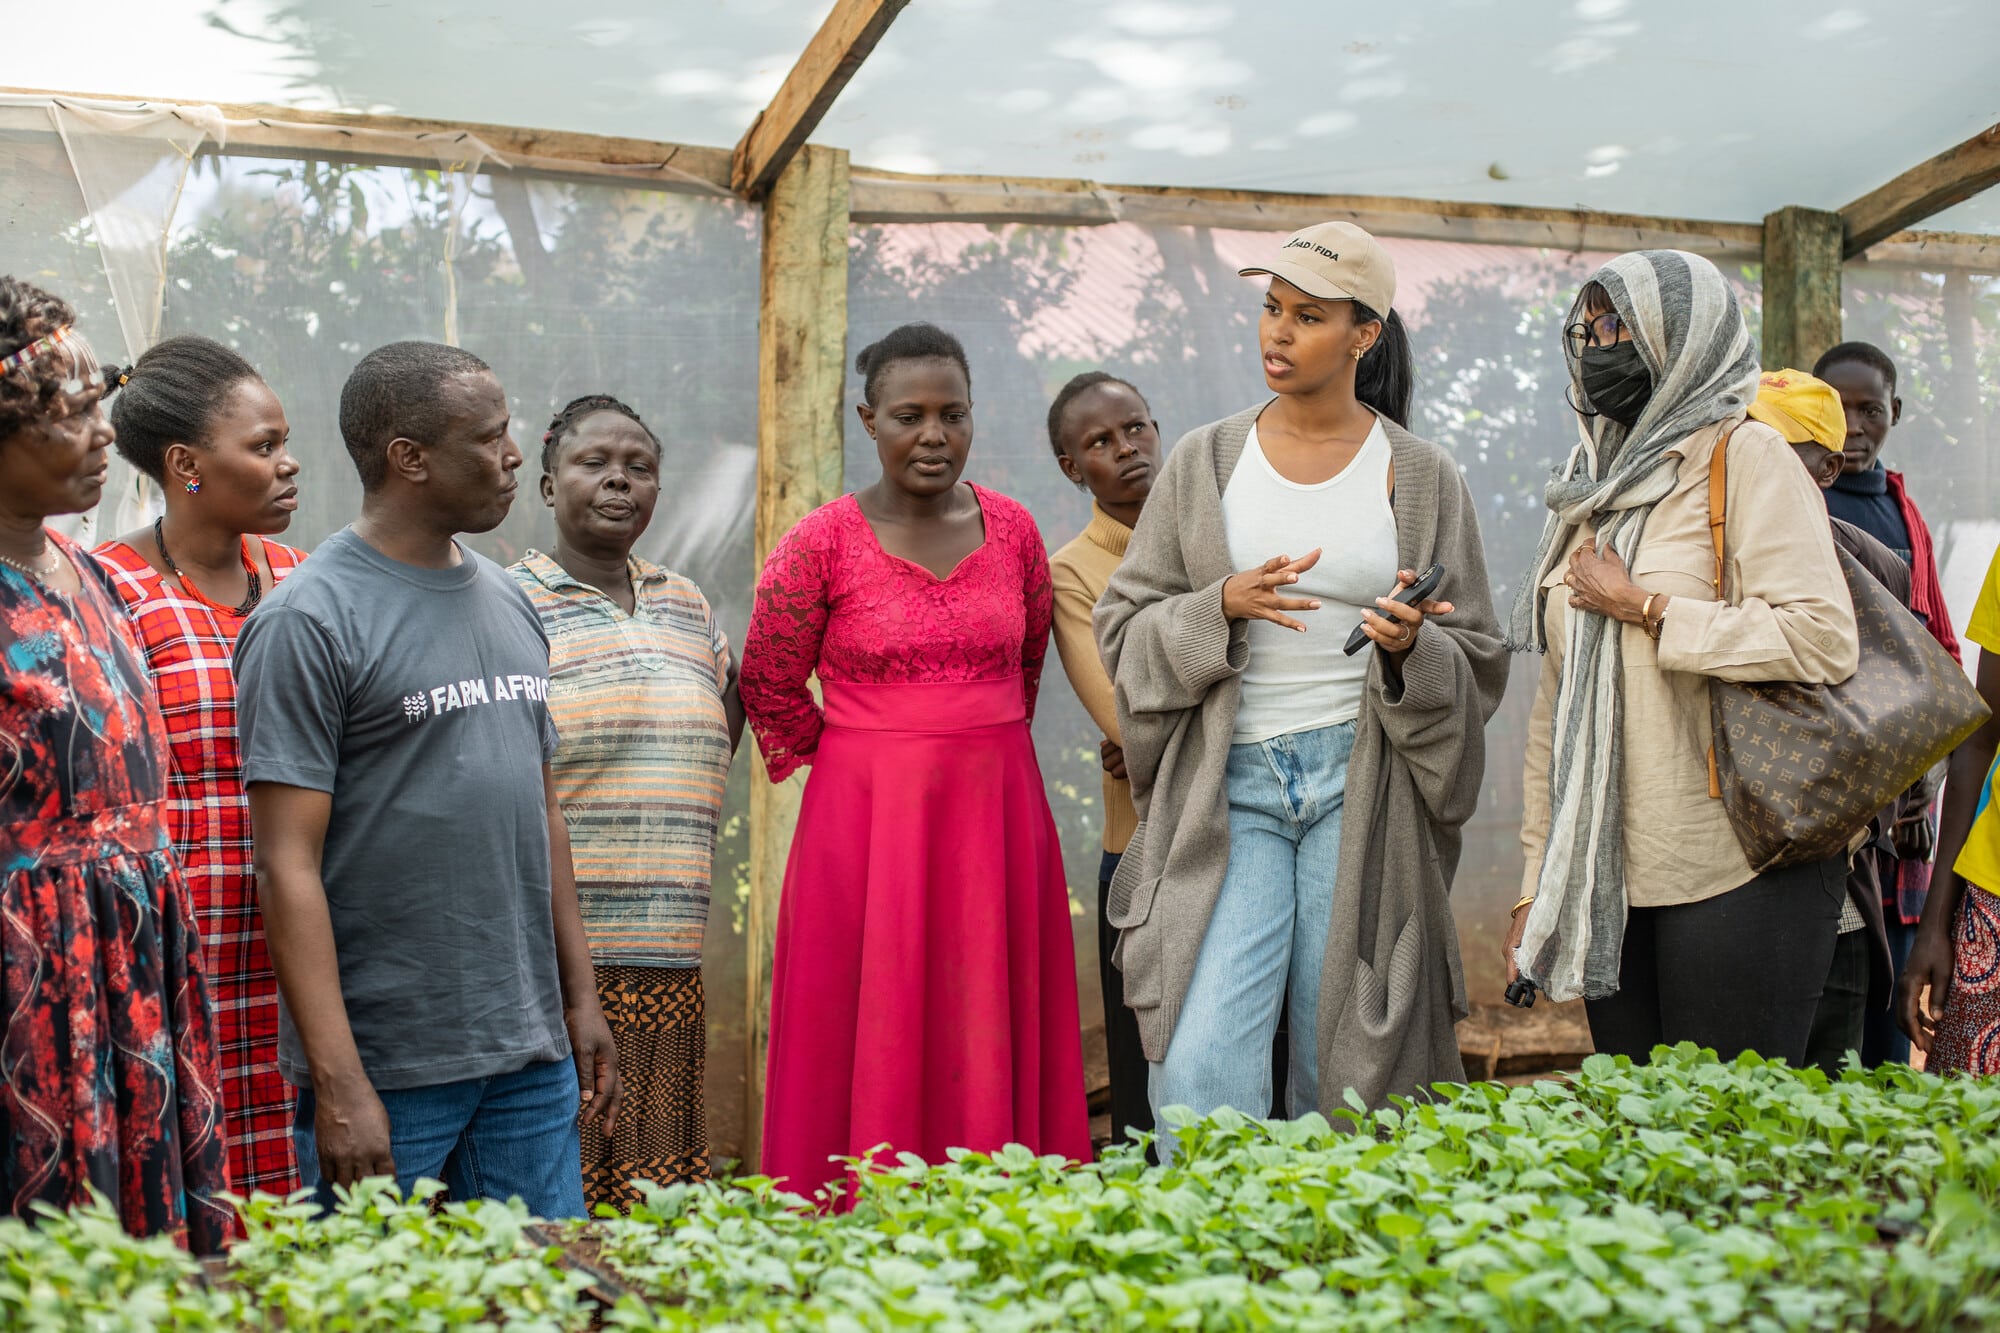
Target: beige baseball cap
[(1335, 261)]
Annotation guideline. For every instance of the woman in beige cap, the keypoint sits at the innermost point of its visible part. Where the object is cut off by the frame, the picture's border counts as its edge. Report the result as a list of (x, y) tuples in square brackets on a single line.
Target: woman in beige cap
[(1300, 807)]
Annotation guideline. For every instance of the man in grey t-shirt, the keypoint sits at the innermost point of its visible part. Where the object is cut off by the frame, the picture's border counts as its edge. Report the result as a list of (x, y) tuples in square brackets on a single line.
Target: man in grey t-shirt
[(412, 865)]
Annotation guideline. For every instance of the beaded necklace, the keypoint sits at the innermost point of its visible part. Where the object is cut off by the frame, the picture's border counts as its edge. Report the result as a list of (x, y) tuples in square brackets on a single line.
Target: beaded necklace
[(39, 573), (187, 584)]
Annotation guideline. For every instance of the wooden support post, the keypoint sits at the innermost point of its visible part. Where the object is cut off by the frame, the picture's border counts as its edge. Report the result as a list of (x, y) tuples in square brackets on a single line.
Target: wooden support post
[(830, 59), (801, 366), (1801, 286)]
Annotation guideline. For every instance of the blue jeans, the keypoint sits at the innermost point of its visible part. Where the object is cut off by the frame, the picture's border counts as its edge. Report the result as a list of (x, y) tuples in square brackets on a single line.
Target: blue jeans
[(1268, 929), (499, 1137), (1882, 1042)]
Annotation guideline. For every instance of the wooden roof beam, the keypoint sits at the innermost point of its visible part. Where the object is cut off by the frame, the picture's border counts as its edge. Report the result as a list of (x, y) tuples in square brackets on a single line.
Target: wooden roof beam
[(830, 59), (891, 197), (1951, 177), (261, 129)]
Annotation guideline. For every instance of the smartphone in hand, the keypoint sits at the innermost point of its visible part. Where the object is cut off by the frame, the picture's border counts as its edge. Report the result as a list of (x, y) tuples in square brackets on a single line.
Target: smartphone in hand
[(1426, 584)]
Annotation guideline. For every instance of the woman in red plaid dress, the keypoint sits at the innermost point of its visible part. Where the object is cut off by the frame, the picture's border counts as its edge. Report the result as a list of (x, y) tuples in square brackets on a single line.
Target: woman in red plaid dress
[(205, 427)]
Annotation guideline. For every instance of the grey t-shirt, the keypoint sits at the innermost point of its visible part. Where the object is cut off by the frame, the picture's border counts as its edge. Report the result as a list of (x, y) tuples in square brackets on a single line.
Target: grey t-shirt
[(416, 697)]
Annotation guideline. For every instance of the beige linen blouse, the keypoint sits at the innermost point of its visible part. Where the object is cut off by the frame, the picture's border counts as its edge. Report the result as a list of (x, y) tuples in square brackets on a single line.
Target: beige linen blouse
[(1788, 617)]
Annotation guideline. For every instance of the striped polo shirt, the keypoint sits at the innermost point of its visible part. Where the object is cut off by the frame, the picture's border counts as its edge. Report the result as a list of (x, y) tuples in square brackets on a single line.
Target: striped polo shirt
[(644, 755)]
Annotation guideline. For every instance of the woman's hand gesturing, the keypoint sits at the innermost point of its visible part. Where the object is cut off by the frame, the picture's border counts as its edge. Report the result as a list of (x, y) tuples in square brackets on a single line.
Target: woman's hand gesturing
[(1253, 594)]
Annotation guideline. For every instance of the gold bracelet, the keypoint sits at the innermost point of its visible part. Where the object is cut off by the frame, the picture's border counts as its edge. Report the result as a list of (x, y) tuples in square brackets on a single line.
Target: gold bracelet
[(1525, 900), (1646, 611)]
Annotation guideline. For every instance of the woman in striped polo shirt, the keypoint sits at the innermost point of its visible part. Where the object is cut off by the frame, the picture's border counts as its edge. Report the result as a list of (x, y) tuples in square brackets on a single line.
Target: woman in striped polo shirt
[(644, 697)]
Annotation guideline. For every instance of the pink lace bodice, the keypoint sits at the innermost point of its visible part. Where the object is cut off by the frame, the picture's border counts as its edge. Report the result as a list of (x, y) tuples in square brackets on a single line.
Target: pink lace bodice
[(831, 601)]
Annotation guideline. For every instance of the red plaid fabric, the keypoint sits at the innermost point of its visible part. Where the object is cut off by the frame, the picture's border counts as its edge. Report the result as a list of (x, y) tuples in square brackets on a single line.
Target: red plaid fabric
[(188, 646)]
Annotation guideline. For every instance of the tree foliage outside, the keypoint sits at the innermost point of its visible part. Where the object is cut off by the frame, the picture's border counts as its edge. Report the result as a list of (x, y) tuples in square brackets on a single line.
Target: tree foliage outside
[(1943, 331), (565, 289)]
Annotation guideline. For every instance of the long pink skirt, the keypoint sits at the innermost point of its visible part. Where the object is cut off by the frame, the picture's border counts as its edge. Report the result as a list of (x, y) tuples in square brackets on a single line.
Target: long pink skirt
[(924, 988)]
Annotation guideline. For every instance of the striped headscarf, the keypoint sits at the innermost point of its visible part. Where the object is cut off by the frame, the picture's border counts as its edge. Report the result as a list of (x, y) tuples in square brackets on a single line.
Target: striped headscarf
[(1690, 335)]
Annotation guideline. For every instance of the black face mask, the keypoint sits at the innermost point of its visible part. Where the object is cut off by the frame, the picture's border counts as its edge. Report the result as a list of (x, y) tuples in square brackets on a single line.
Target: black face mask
[(1616, 381)]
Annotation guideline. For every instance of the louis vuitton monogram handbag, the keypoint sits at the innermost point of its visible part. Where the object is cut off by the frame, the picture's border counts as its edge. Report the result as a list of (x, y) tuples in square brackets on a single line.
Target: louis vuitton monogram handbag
[(1801, 768)]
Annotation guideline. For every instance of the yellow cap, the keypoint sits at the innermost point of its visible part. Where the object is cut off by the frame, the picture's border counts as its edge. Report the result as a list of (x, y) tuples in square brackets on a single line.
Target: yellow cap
[(1802, 409)]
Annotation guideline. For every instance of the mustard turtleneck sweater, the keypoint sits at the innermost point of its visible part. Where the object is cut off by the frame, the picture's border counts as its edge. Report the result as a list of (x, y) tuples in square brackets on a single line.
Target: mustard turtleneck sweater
[(1079, 571)]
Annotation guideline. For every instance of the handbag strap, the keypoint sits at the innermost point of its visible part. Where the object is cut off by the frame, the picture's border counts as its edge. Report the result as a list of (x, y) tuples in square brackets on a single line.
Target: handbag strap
[(1718, 516), (1718, 500)]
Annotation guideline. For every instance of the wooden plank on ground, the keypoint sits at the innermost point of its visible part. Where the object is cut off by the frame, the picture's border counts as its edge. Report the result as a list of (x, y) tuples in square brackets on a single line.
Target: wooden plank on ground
[(801, 366), (1951, 177), (1500, 1041), (808, 92)]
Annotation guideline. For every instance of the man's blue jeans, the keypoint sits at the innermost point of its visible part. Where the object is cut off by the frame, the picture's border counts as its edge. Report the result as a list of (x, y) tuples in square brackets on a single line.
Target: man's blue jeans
[(1268, 929), (487, 1138)]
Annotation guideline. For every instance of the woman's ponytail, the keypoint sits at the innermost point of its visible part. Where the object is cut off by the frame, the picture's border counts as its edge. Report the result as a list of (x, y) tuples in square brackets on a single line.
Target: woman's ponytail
[(1387, 375)]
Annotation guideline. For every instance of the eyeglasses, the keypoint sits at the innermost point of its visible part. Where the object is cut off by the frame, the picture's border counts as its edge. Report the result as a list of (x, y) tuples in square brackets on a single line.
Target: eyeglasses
[(1599, 331)]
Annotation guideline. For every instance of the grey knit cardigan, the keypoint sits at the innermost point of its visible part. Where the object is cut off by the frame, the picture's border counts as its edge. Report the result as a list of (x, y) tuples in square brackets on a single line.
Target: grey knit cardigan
[(1393, 987)]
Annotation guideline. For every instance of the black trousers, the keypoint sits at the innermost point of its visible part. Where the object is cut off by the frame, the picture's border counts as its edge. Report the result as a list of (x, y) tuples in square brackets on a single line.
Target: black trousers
[(1130, 1108), (1742, 971), (1842, 1017)]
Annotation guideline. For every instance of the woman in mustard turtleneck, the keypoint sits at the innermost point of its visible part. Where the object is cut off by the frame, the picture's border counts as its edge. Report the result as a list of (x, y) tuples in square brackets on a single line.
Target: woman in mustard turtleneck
[(1107, 442)]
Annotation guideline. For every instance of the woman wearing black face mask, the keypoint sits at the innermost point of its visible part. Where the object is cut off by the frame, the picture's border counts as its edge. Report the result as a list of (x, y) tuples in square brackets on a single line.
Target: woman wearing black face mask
[(1638, 896)]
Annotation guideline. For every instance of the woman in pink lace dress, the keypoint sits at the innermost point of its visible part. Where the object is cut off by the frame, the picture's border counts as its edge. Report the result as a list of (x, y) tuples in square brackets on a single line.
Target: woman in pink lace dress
[(924, 988)]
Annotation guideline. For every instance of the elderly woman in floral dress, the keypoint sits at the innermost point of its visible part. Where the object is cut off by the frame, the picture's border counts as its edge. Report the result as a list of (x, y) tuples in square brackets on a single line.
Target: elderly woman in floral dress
[(108, 1073)]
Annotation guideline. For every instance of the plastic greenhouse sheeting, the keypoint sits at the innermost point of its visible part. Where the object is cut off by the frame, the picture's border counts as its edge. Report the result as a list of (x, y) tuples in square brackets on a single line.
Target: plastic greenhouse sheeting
[(1942, 329), (1699, 108), (567, 288), (564, 288), (1163, 307)]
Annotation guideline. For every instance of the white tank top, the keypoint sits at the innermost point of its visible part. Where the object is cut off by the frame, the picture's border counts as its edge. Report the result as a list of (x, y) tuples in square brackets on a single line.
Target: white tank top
[(1297, 682)]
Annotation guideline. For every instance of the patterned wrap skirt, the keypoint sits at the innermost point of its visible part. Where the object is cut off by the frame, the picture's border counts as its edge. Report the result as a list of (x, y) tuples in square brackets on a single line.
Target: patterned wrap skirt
[(1968, 1036), (109, 1077), (658, 1019)]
